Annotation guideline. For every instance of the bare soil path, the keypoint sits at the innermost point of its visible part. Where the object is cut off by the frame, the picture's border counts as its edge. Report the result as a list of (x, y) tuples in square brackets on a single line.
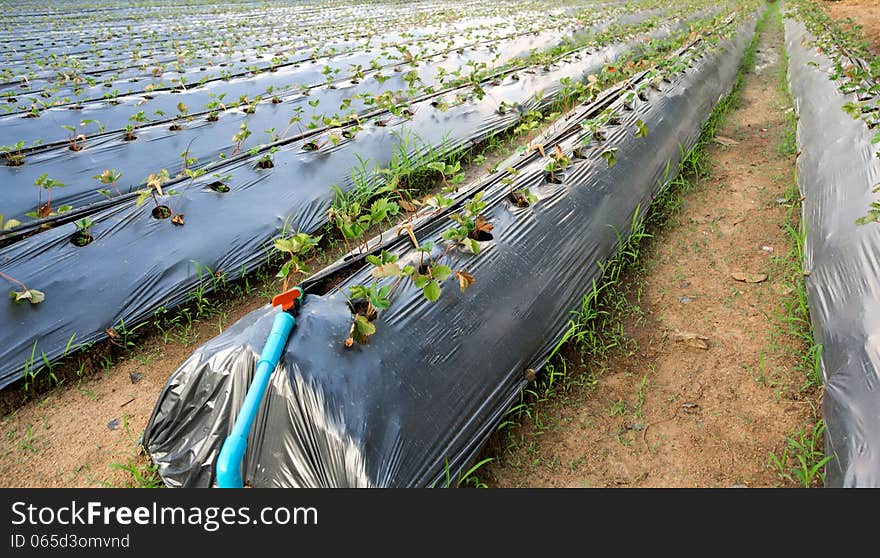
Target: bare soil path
[(707, 384)]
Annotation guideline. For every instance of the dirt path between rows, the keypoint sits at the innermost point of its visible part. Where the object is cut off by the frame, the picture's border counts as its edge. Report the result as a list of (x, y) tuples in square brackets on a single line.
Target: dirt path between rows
[(704, 411)]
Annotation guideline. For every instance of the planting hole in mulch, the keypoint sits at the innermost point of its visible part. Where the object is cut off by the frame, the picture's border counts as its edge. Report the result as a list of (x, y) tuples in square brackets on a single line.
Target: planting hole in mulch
[(161, 212), (518, 199), (362, 307), (481, 236), (265, 163), (81, 238), (129, 136), (219, 186), (553, 177), (579, 153), (175, 127)]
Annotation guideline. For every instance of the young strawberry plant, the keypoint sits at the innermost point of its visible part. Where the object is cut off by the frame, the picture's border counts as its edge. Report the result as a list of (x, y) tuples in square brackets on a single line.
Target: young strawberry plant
[(367, 300), (13, 155), (43, 182), (154, 187), (239, 138), (265, 162), (109, 178), (296, 249), (83, 234), (182, 115)]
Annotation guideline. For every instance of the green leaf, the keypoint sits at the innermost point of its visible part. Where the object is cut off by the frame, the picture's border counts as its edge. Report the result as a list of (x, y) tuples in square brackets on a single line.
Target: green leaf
[(284, 271), (142, 197), (641, 129), (438, 166), (363, 330), (441, 272), (31, 295), (420, 281), (432, 291), (473, 245), (283, 244)]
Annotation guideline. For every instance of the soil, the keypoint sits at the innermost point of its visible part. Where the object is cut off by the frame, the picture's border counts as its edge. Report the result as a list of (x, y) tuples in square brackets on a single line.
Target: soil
[(864, 12), (702, 418), (705, 386)]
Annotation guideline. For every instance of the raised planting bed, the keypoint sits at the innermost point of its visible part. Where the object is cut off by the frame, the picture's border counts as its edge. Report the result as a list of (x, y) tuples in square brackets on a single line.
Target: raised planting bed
[(179, 234), (400, 368), (836, 96)]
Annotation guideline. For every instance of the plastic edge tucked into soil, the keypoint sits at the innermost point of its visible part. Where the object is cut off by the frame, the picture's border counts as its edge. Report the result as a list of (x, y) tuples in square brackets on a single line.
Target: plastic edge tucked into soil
[(837, 170)]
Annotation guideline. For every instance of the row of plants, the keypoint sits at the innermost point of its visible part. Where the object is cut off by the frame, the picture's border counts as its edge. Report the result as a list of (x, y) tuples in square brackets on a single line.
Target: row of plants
[(271, 86), (337, 126), (855, 69), (111, 177), (468, 223), (189, 67), (469, 227)]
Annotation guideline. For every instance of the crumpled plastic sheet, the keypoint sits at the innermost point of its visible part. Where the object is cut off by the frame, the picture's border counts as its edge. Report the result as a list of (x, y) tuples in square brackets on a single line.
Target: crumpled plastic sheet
[(137, 264), (837, 171), (418, 402)]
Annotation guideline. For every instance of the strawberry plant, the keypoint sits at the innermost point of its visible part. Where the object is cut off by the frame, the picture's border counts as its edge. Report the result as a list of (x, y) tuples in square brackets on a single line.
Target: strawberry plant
[(450, 172), (13, 155), (77, 140), (83, 235), (240, 137), (182, 112), (367, 300), (610, 156), (109, 177), (265, 162), (154, 186), (43, 182), (214, 106), (295, 248), (472, 226)]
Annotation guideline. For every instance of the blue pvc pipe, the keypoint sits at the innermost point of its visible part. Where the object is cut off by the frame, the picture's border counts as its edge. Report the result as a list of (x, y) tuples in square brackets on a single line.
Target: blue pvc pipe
[(232, 453)]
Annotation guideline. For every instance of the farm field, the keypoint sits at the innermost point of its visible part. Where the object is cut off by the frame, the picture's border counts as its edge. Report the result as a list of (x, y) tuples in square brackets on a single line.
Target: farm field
[(568, 244)]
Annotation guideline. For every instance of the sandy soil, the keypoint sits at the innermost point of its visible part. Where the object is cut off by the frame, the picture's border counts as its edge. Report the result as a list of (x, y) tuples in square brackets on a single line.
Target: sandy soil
[(864, 12), (704, 412)]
